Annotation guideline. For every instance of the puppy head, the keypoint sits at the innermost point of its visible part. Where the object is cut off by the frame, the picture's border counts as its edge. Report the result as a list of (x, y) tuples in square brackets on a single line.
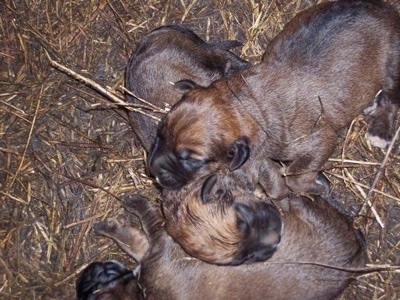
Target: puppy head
[(203, 133), (218, 223), (107, 280)]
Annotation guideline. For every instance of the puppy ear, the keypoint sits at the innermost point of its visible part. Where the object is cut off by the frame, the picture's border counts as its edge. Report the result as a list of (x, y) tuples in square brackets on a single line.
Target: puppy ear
[(210, 191), (185, 85), (239, 152), (206, 194)]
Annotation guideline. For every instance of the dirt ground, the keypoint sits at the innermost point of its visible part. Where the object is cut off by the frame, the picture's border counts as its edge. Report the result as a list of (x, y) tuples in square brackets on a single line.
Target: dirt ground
[(68, 154)]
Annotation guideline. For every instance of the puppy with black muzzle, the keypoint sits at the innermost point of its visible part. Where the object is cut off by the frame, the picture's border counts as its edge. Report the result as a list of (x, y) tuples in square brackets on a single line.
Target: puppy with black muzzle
[(315, 259), (108, 280), (329, 63), (166, 55), (220, 223)]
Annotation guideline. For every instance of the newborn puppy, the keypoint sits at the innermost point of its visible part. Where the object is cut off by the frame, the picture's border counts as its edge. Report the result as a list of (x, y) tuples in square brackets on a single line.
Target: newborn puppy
[(221, 224), (328, 64), (108, 280), (317, 246), (169, 54)]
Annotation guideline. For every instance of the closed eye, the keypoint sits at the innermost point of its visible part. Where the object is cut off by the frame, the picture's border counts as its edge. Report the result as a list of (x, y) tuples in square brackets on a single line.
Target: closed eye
[(188, 154), (191, 164), (190, 161)]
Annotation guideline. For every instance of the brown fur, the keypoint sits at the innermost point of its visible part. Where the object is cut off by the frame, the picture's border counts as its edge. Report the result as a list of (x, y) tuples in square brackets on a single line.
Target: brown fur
[(316, 76), (314, 233), (169, 54), (121, 232), (219, 223), (108, 280)]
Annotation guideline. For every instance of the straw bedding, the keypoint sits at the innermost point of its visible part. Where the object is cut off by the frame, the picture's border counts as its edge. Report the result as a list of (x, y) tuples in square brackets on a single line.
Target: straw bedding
[(68, 154)]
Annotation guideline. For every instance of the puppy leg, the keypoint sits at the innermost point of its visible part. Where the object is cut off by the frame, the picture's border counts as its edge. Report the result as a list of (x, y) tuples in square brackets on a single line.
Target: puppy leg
[(302, 175), (272, 181), (381, 118), (148, 213), (130, 239), (265, 175)]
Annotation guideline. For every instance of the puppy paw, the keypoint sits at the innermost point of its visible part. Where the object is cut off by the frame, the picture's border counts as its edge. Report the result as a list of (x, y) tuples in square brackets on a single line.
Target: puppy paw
[(381, 119), (379, 132), (309, 184), (107, 228), (323, 186), (136, 204), (377, 141)]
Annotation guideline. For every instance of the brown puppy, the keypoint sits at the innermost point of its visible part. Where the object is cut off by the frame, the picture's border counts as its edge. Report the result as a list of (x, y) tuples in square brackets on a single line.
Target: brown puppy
[(108, 280), (314, 234), (327, 65), (220, 223), (167, 55)]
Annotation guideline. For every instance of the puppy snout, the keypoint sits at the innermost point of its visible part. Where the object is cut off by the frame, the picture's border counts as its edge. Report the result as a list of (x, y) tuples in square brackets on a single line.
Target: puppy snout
[(262, 227), (167, 171)]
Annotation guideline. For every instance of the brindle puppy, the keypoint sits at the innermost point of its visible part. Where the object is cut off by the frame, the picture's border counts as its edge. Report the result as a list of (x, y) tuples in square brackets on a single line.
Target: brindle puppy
[(327, 65), (314, 236), (220, 223), (167, 55), (108, 280)]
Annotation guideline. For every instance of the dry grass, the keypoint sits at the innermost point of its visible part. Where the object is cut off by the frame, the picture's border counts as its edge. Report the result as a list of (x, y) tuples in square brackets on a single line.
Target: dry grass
[(67, 154)]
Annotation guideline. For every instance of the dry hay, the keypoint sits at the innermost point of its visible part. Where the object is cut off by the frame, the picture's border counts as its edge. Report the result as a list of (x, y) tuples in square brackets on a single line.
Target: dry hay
[(67, 154)]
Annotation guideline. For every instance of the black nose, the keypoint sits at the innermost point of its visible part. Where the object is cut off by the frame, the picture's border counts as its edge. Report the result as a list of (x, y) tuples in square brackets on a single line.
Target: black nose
[(168, 171), (262, 228)]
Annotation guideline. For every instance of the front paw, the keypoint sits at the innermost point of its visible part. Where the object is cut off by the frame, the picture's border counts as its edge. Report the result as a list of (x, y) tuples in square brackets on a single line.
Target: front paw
[(323, 186), (107, 228), (316, 184), (273, 182), (136, 204)]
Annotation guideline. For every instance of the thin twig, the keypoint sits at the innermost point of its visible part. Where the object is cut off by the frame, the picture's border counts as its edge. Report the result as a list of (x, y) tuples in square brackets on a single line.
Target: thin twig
[(84, 182), (351, 161), (368, 269), (86, 220), (373, 210), (28, 140), (379, 173), (13, 106), (156, 108), (364, 186), (97, 87)]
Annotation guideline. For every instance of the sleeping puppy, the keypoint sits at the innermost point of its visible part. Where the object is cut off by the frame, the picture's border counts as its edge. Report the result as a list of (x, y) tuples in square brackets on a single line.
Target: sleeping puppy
[(328, 64), (317, 246), (108, 280), (220, 223), (166, 55)]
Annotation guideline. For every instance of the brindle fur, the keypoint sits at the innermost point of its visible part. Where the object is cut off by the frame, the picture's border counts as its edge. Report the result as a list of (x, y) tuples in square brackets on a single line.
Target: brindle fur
[(108, 280), (325, 67), (167, 55), (314, 233), (220, 224)]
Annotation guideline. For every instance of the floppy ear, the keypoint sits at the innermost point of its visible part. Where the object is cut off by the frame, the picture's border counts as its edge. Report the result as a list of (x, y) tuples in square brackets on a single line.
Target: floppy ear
[(185, 85), (206, 190), (239, 152), (210, 191)]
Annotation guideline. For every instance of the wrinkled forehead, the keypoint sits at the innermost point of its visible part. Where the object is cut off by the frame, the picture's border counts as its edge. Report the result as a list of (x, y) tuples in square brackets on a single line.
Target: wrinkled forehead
[(200, 226), (186, 129), (187, 202), (211, 231), (197, 107)]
